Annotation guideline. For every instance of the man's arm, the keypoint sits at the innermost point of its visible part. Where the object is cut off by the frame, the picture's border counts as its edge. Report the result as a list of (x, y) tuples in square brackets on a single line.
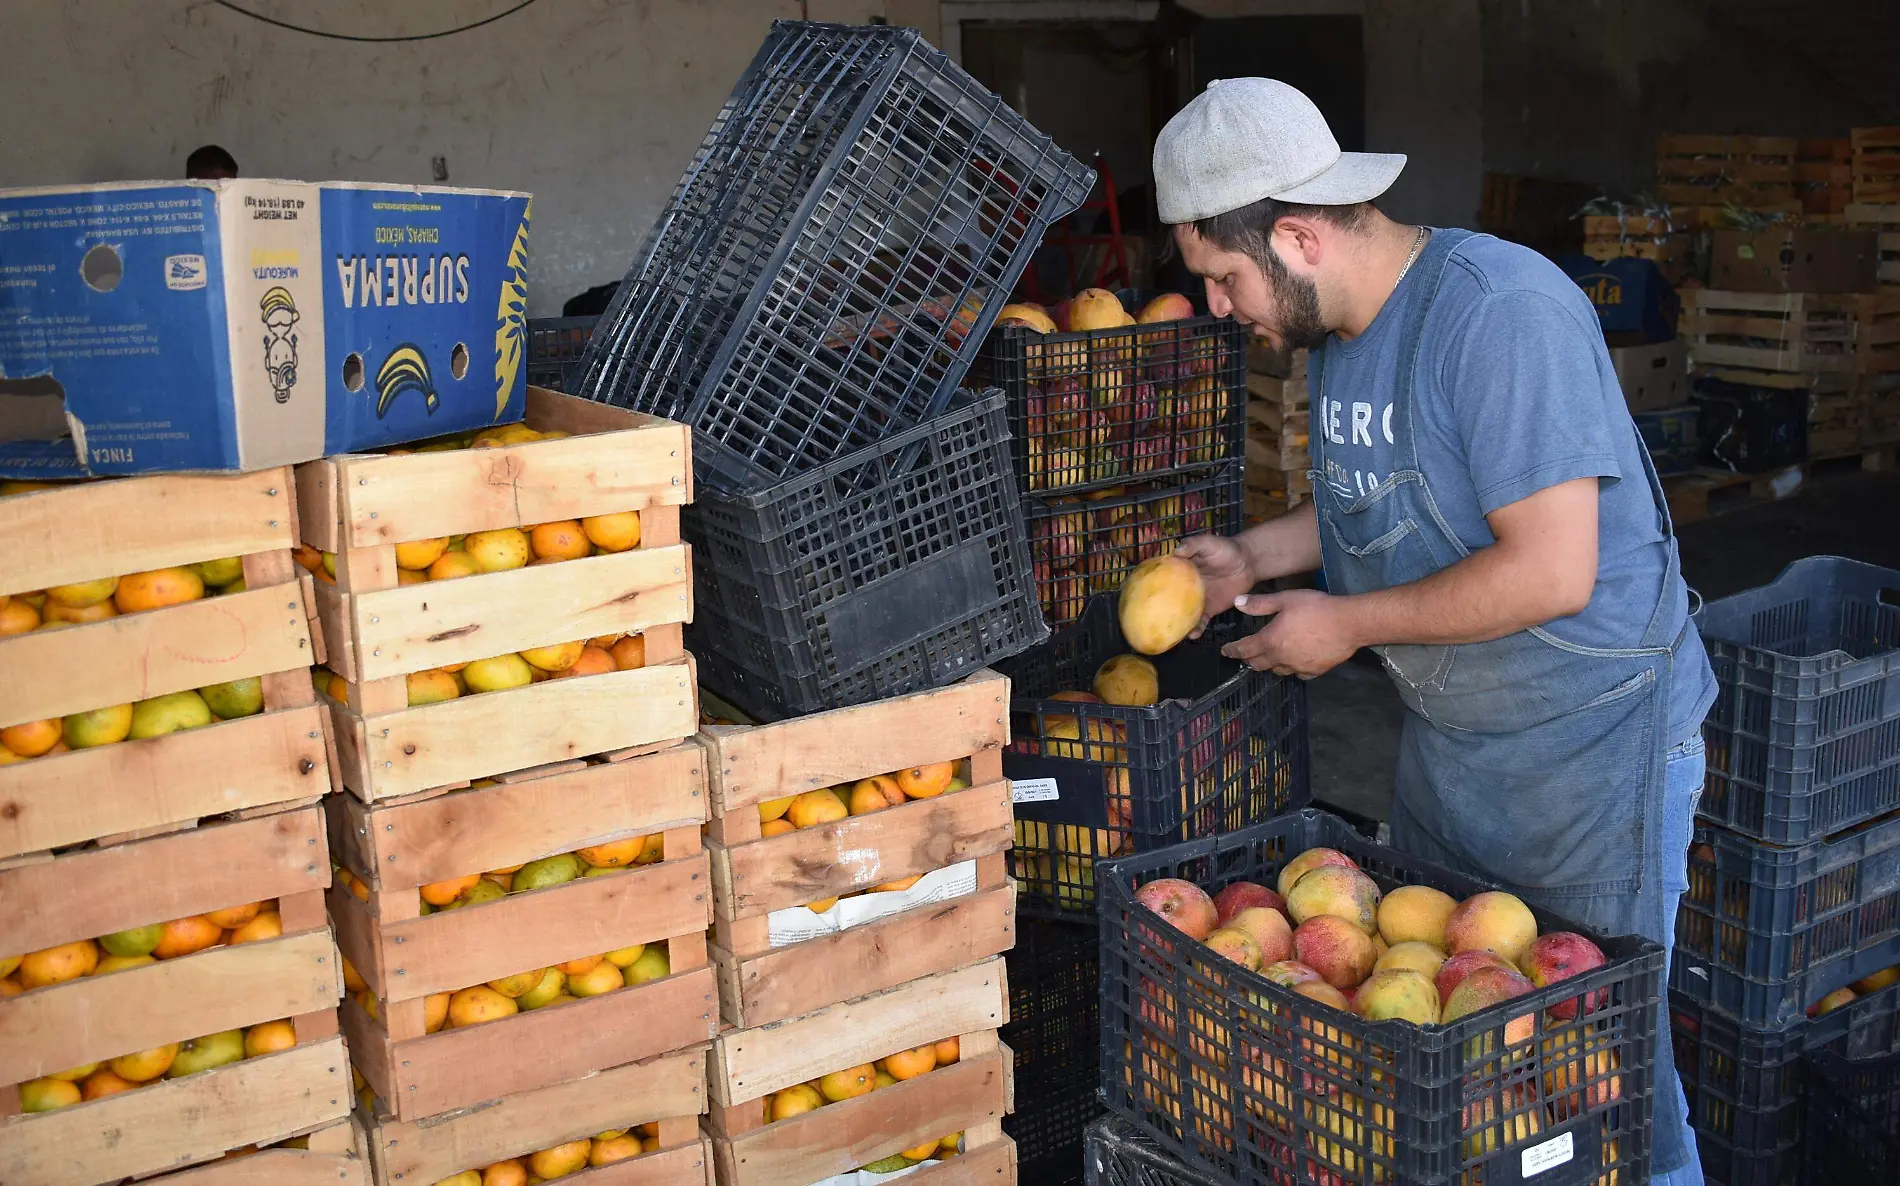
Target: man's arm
[(1232, 565), (1542, 567)]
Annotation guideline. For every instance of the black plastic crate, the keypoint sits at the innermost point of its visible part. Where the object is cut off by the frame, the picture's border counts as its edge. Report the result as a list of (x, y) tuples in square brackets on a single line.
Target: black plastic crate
[(1117, 1154), (1249, 1082), (833, 256), (1086, 546), (1055, 1029), (1804, 736), (1765, 932), (1225, 747), (1670, 435), (1853, 1121), (898, 568), (1743, 1085), (1751, 429), (555, 344), (1090, 409)]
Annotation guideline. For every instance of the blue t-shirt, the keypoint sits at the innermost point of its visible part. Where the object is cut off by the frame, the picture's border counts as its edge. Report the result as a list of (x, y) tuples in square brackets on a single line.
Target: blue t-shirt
[(1515, 394)]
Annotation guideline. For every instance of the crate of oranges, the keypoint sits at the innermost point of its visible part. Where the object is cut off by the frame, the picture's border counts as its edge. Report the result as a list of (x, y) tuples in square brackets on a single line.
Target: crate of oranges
[(856, 849), (910, 1078), (635, 1125), (466, 917), (155, 640), (180, 988), (503, 601)]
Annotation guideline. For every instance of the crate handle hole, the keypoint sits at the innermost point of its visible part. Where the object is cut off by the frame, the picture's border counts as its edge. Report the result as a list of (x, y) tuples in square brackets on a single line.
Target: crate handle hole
[(458, 361), (353, 371), (1890, 596)]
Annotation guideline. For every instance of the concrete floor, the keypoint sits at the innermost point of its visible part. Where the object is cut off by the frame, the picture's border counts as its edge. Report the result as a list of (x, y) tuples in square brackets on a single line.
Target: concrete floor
[(1355, 715)]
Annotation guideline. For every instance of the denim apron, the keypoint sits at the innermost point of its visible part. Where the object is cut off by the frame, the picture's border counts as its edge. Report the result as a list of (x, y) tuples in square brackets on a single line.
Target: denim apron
[(1534, 762)]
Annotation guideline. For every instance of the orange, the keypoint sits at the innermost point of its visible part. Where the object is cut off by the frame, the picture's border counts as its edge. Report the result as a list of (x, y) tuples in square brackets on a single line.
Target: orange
[(898, 886), (450, 565), (920, 1152), (8, 757), (99, 726), (269, 1038), (9, 987), (908, 1064), (505, 880), (435, 1011), (602, 978), (352, 979), (795, 1100), (268, 925), (630, 653), (31, 739), (441, 893), (44, 1095), (849, 1083), (604, 641), (556, 658), (143, 1066), (158, 588), (613, 533), (101, 1084), (613, 854), (576, 967), (17, 617), (520, 982), (419, 554), (772, 809), (505, 1173), (55, 965), (924, 782), (614, 1149), (408, 576), (593, 661), (359, 889), (75, 1074), (186, 935), (79, 615), (816, 807), (561, 1159), (776, 827), (821, 905), (948, 1051), (431, 687), (560, 540), (232, 917), (473, 1006), (82, 593), (499, 550), (875, 794), (651, 849)]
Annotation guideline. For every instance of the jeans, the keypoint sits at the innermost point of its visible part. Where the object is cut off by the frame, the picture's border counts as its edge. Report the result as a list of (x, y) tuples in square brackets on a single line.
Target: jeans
[(1682, 793)]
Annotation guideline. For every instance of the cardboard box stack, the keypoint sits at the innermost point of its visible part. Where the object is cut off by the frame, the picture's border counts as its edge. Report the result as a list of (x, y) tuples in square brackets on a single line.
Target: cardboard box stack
[(1277, 427)]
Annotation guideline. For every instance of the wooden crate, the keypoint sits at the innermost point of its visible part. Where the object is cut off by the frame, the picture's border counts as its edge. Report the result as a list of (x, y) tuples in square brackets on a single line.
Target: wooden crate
[(1877, 333), (1714, 170), (1886, 221), (358, 507), (1786, 332), (1876, 164), (1824, 176), (669, 1089), (754, 876), (970, 1096), (405, 956), (111, 528), (337, 1155)]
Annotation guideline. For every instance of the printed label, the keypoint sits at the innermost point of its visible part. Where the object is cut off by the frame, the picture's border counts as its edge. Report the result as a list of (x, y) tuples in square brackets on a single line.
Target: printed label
[(795, 924), (1033, 790), (1549, 1155), (183, 273)]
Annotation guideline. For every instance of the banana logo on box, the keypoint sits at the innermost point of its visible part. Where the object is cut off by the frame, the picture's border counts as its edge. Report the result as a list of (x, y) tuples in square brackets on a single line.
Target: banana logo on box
[(511, 315), (406, 369), (280, 344)]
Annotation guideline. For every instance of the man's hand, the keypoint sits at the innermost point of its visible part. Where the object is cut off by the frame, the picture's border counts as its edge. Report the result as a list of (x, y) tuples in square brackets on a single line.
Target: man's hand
[(1309, 635), (1225, 573)]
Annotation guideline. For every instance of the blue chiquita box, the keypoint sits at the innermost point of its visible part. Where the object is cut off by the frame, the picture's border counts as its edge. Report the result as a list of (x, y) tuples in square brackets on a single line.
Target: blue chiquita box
[(151, 327)]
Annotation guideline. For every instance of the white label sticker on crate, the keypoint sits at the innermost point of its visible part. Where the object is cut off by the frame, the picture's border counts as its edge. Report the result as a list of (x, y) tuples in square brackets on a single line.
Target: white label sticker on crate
[(1549, 1155), (1033, 790), (867, 1178), (795, 924)]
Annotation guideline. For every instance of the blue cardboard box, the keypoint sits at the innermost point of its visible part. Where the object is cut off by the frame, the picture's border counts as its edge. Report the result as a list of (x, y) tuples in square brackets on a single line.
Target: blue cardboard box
[(1632, 299), (150, 327)]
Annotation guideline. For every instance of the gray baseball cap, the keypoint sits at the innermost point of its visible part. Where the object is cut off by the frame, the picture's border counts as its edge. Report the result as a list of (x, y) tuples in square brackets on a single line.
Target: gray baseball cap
[(1244, 139)]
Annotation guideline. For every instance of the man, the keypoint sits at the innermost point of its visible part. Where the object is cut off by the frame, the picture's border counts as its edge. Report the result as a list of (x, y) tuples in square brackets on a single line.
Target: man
[(1486, 517), (210, 163)]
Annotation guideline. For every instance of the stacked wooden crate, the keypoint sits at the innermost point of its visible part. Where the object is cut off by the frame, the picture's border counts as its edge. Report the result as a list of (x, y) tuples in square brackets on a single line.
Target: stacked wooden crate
[(857, 937), (523, 893), (1824, 178), (173, 986), (1876, 162), (1668, 240), (1277, 426), (1751, 172), (1881, 383)]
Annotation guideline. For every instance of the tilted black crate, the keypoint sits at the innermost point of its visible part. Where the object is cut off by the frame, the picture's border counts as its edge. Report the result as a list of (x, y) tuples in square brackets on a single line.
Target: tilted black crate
[(900, 567), (1085, 546), (1853, 1120), (555, 345), (1090, 409), (1250, 1082), (1225, 747), (1765, 932), (1055, 1029), (1804, 736), (1750, 429), (1117, 1154), (830, 262)]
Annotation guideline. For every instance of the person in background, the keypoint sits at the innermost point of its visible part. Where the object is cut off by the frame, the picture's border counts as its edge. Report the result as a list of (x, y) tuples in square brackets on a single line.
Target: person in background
[(210, 163)]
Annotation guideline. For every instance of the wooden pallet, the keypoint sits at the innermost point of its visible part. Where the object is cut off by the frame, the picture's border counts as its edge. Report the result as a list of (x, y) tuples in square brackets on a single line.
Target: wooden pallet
[(754, 877), (405, 956), (379, 631), (669, 1090), (1785, 332), (970, 1096), (1824, 176), (98, 529), (1876, 165)]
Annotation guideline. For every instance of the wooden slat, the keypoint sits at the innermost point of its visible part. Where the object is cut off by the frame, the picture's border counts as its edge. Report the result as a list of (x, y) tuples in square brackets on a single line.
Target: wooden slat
[(751, 1064), (884, 954), (279, 1167), (993, 1164), (519, 1123), (419, 748), (101, 1017), (416, 627), (451, 835), (100, 529), (841, 1136), (387, 500), (862, 850), (256, 1100), (846, 744), (99, 891), (51, 802), (137, 656)]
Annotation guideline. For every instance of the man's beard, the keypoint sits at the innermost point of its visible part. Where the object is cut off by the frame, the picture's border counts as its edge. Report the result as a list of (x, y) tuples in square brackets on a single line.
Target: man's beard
[(1295, 306)]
